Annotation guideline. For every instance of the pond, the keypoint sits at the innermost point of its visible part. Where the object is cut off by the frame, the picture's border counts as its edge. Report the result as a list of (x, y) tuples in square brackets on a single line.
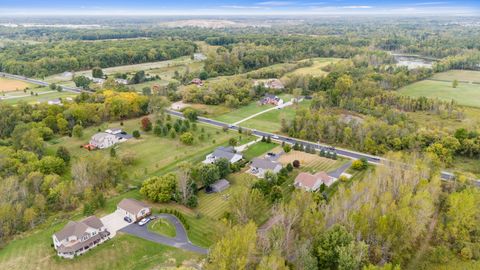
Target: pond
[(412, 62)]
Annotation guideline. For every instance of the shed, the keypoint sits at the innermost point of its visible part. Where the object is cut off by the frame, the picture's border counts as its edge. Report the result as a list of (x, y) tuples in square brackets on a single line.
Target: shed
[(220, 185)]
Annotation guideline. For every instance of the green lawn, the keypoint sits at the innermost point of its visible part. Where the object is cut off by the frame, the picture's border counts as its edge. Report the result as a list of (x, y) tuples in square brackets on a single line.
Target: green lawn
[(163, 227), (465, 94), (258, 149), (271, 121), (314, 70), (154, 155), (246, 111), (41, 97), (460, 75)]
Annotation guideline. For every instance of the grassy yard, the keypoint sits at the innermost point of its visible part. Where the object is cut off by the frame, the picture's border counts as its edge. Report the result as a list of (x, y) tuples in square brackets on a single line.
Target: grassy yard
[(258, 149), (465, 94), (41, 97), (460, 75), (154, 155), (163, 227), (314, 70), (271, 121), (246, 111)]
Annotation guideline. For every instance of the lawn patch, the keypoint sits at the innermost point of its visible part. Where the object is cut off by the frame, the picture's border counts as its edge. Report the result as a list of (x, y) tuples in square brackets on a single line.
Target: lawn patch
[(258, 149), (163, 227)]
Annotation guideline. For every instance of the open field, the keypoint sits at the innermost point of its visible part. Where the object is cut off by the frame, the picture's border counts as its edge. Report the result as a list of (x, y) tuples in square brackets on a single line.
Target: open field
[(460, 75), (316, 69), (154, 155), (245, 111), (48, 95), (10, 85), (271, 121), (465, 94)]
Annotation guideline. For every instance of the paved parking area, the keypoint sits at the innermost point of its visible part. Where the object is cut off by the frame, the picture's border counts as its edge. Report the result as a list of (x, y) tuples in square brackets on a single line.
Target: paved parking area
[(114, 222)]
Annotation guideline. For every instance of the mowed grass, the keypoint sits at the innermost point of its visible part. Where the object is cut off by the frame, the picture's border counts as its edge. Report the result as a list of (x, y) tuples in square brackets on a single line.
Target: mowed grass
[(121, 252), (154, 155), (162, 226), (246, 111), (10, 85), (460, 75), (258, 149), (40, 98), (465, 94), (316, 69), (272, 121)]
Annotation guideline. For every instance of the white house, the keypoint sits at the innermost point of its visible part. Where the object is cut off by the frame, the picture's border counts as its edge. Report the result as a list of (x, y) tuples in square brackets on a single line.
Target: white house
[(77, 237), (259, 166), (135, 210), (312, 182), (103, 140), (223, 152)]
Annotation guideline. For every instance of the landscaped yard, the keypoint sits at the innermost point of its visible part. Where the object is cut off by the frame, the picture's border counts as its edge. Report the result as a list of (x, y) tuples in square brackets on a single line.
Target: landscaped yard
[(465, 93), (258, 149), (154, 155), (271, 121), (163, 227), (246, 111)]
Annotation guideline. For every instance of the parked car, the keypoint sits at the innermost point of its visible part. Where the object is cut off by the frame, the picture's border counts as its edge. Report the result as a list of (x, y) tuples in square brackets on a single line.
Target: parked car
[(127, 219), (143, 221), (275, 137)]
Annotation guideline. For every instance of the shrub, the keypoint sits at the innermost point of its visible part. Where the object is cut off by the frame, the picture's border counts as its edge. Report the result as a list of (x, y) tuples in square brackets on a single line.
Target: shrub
[(232, 142), (187, 138), (287, 148), (296, 163), (289, 167), (136, 134), (77, 131), (146, 124), (360, 164)]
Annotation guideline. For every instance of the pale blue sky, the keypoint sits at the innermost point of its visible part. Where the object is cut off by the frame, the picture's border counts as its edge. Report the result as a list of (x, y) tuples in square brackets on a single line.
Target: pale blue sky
[(245, 7)]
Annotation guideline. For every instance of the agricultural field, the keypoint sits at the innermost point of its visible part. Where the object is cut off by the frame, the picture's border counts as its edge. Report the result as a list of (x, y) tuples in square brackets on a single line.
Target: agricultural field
[(246, 111), (271, 121), (464, 94), (11, 85), (316, 69), (153, 154)]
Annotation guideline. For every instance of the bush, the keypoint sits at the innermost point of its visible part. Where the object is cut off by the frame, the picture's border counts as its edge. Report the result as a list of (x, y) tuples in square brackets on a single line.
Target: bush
[(289, 167), (232, 142), (360, 164), (192, 202), (187, 138), (287, 148), (146, 124), (466, 253), (136, 134), (296, 163), (77, 131)]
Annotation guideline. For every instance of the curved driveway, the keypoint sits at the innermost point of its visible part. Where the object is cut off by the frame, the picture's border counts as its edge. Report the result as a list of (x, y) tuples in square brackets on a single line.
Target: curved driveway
[(179, 241)]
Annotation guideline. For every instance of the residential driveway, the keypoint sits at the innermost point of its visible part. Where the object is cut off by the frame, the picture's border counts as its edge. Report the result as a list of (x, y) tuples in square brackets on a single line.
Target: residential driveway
[(179, 241), (114, 222), (336, 173)]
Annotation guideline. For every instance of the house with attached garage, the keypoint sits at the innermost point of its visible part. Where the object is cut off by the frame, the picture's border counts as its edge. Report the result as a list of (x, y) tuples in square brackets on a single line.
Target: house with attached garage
[(312, 182), (77, 237), (260, 166), (228, 153), (135, 210)]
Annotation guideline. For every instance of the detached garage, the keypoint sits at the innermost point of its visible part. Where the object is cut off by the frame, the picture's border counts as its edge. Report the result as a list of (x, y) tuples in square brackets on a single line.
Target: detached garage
[(136, 210)]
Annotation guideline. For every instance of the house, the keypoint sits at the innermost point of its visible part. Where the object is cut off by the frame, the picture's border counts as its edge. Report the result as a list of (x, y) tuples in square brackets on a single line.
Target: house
[(103, 140), (114, 131), (312, 182), (77, 237), (199, 57), (220, 185), (136, 210), (271, 99), (259, 166), (223, 152), (96, 80), (56, 101), (197, 82)]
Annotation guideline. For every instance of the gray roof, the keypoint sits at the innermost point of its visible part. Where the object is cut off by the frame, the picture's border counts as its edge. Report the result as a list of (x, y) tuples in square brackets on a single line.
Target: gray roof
[(100, 136), (78, 228), (265, 164), (132, 206), (224, 152), (80, 245), (220, 185)]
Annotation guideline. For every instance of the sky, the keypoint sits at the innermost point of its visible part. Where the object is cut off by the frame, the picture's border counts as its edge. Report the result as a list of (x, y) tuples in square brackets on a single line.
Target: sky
[(238, 7)]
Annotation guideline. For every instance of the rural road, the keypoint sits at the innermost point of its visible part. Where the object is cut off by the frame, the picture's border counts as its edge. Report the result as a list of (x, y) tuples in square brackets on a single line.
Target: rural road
[(179, 241)]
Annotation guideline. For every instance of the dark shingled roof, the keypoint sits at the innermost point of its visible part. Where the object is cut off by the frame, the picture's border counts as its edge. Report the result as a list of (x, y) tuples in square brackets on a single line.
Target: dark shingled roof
[(265, 164)]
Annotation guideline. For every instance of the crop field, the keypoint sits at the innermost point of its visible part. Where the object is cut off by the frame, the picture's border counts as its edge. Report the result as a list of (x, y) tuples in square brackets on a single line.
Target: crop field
[(10, 85), (246, 111), (316, 69), (465, 94), (460, 75)]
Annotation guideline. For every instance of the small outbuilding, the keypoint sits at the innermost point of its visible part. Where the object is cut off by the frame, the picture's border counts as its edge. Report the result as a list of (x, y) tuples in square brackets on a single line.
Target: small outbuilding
[(219, 186), (135, 210)]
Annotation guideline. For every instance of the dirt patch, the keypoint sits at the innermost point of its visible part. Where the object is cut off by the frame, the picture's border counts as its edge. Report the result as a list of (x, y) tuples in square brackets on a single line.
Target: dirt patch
[(8, 85), (303, 157)]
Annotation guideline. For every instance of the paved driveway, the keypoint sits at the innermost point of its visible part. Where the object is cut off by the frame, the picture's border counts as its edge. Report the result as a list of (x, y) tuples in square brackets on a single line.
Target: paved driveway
[(336, 173), (114, 222), (179, 241)]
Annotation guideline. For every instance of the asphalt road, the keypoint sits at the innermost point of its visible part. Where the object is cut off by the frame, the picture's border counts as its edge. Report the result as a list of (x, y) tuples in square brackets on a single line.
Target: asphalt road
[(447, 176), (179, 241)]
